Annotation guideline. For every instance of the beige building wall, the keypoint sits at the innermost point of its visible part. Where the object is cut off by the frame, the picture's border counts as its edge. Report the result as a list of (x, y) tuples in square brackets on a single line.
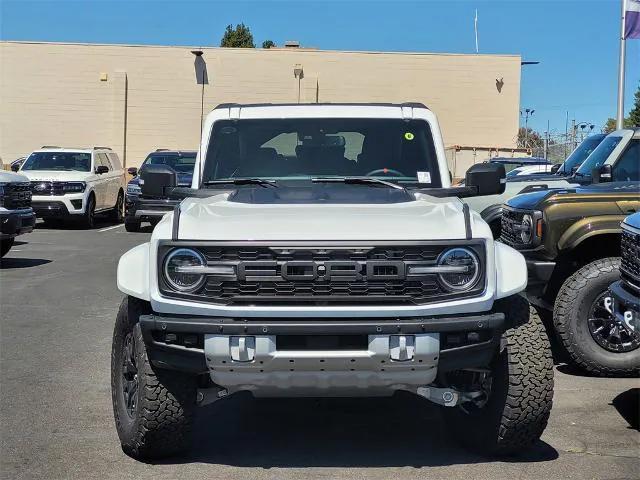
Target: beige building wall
[(139, 98)]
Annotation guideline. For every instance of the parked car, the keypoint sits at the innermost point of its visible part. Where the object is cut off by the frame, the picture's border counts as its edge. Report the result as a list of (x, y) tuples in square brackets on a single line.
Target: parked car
[(625, 293), (490, 207), (571, 240), (142, 209), (16, 214), (580, 154), (511, 163), (75, 183), (314, 259), (544, 169)]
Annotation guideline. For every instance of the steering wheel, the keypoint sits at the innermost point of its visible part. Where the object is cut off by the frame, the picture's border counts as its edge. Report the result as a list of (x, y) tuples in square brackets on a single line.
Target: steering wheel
[(385, 171)]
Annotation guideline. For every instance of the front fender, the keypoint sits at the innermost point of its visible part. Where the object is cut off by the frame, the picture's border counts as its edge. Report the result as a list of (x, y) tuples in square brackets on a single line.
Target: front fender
[(511, 271), (588, 227), (133, 272)]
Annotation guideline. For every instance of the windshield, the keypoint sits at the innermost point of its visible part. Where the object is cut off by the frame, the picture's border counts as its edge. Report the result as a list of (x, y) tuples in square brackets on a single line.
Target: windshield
[(510, 166), (299, 149), (599, 156), (68, 161), (580, 154), (181, 163)]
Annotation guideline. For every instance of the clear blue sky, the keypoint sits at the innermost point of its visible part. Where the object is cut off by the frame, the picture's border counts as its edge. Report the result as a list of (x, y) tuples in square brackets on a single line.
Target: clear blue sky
[(575, 41)]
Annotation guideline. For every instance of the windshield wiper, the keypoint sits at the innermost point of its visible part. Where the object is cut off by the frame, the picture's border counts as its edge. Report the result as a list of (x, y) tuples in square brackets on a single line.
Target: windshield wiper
[(243, 181), (357, 181)]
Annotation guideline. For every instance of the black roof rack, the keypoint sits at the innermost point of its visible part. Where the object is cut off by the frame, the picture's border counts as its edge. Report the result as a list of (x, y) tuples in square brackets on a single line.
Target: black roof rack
[(102, 148), (355, 104), (162, 149), (50, 146)]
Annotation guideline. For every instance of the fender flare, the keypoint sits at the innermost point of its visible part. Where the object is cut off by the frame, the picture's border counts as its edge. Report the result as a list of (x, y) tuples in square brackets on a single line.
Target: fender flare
[(588, 227), (511, 271), (492, 213), (133, 272)]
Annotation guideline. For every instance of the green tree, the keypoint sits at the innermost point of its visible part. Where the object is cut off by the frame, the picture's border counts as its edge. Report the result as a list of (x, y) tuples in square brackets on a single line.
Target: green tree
[(269, 44), (634, 114), (610, 126), (238, 37)]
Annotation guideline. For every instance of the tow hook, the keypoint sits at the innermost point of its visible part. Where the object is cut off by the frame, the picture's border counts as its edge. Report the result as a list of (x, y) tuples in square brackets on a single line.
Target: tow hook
[(205, 396), (448, 397)]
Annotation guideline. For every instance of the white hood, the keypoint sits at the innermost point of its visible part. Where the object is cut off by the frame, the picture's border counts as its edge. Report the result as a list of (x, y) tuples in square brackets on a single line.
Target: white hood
[(6, 177), (56, 175), (426, 218)]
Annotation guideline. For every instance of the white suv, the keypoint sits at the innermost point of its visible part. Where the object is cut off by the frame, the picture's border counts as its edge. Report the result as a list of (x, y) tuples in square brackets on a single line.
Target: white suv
[(322, 252), (75, 183)]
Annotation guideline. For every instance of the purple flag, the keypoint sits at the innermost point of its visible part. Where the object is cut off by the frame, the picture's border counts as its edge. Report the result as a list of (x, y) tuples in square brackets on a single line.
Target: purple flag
[(632, 19)]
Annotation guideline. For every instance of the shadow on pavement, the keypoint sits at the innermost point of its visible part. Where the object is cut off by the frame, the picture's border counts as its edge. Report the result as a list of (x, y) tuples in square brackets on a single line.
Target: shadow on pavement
[(8, 263), (400, 431), (628, 406)]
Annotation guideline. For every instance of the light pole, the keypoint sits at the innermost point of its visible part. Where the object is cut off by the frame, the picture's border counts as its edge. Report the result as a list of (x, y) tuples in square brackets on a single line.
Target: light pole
[(201, 78), (527, 113)]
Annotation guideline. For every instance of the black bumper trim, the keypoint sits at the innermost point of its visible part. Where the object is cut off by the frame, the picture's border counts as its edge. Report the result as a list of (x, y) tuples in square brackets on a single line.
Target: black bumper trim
[(231, 326), (623, 294), (50, 209), (17, 223), (540, 271)]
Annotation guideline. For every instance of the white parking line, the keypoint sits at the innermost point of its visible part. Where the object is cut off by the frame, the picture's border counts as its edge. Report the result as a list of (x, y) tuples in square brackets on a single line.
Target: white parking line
[(110, 228)]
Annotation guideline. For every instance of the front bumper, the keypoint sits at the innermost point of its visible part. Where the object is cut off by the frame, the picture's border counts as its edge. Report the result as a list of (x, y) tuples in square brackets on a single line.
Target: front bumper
[(59, 206), (16, 222), (626, 304), (435, 344), (145, 210)]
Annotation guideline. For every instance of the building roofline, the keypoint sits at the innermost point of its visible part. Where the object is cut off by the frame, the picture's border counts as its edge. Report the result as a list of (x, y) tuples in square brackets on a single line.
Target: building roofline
[(266, 50)]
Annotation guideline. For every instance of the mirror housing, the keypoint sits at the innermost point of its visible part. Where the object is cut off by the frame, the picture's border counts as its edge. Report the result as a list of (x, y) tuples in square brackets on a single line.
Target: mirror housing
[(100, 169), (555, 168), (157, 180), (15, 167), (602, 174), (133, 171), (486, 178)]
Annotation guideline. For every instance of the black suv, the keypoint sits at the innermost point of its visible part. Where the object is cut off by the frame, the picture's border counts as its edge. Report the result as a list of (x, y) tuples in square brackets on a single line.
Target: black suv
[(140, 209)]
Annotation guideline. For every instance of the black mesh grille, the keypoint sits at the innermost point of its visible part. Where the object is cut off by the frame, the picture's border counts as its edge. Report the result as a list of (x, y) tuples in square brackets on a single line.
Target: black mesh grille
[(509, 234), (47, 188), (17, 195), (324, 275), (630, 262)]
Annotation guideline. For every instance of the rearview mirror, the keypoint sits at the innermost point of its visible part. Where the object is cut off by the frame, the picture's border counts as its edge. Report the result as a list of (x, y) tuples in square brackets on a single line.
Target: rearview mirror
[(486, 178), (556, 167), (132, 171), (15, 167), (100, 169), (157, 180), (602, 174)]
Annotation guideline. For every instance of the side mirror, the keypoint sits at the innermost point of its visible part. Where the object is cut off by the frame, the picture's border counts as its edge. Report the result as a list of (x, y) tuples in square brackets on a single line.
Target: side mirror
[(133, 171), (100, 169), (602, 174), (486, 178), (556, 167), (155, 180), (15, 167)]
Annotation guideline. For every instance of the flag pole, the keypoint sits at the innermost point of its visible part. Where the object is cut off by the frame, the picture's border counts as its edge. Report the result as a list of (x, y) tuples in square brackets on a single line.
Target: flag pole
[(620, 113), (475, 27)]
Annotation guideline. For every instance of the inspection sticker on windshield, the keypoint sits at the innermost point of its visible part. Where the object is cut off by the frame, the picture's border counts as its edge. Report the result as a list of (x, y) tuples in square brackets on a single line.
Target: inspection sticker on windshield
[(424, 177), (409, 136)]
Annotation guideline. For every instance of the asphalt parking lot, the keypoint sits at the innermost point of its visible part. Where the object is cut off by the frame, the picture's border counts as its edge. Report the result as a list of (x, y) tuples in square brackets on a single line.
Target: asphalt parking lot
[(58, 301)]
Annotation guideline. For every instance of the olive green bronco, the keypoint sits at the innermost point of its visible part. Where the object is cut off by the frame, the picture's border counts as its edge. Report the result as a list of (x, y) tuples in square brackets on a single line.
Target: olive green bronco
[(571, 242)]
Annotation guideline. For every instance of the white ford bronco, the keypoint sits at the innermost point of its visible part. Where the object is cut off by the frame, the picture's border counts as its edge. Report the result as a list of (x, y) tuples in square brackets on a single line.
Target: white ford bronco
[(322, 251)]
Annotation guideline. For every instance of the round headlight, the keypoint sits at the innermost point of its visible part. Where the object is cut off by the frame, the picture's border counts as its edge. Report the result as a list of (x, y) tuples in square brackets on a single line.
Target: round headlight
[(526, 229), (464, 271), (177, 266)]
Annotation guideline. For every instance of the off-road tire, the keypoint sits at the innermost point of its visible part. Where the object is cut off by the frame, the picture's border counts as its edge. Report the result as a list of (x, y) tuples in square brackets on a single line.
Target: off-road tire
[(88, 219), (166, 400), (117, 214), (5, 246), (519, 404), (570, 315), (131, 226)]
